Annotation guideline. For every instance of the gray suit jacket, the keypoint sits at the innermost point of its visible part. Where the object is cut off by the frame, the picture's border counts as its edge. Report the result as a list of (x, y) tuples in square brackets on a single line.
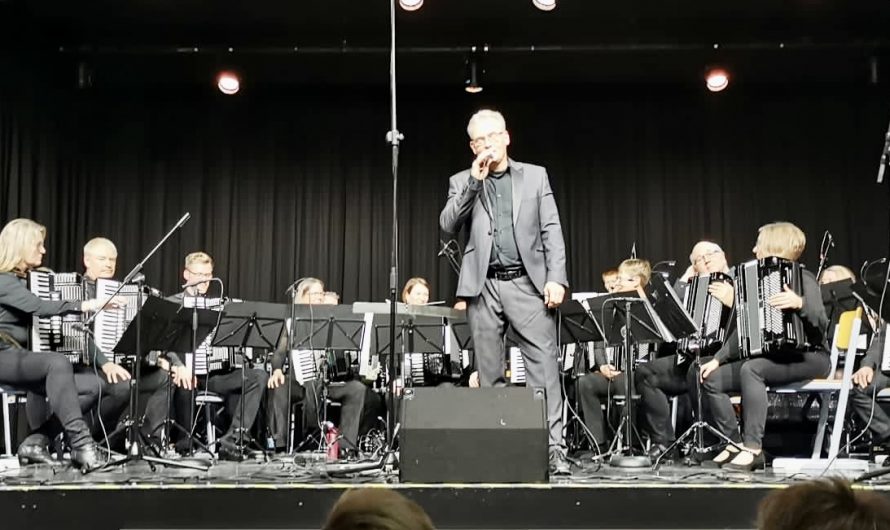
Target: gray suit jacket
[(536, 227)]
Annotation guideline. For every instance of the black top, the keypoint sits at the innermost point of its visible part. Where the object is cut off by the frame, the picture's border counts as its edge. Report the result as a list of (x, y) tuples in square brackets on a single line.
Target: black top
[(499, 194), (18, 305)]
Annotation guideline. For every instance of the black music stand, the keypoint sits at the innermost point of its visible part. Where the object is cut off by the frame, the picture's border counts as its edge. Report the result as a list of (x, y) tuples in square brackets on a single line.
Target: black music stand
[(627, 320), (679, 325), (581, 328), (253, 325), (159, 326), (328, 328)]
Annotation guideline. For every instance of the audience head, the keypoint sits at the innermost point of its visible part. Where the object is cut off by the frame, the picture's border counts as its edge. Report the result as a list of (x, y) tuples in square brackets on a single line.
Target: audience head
[(416, 291), (824, 505), (633, 274), (836, 273), (21, 245), (376, 509), (707, 257), (99, 258), (783, 240)]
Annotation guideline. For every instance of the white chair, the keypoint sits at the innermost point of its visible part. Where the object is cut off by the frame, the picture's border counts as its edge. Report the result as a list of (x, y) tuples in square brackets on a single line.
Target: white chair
[(11, 396), (845, 339)]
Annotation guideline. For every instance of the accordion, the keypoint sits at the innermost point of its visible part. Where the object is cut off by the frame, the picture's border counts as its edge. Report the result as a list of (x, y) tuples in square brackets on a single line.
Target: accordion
[(111, 323), (207, 358), (763, 329), (711, 317), (311, 365), (58, 333)]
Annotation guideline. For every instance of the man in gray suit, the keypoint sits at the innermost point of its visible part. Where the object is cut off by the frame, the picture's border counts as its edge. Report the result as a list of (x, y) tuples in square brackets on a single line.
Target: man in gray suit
[(514, 264)]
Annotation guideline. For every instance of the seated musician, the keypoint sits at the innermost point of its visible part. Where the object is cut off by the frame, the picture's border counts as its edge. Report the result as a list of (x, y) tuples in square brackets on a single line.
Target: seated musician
[(631, 275), (100, 262), (352, 395), (726, 372), (868, 380), (416, 291), (610, 280), (47, 374), (667, 376), (227, 383), (836, 273)]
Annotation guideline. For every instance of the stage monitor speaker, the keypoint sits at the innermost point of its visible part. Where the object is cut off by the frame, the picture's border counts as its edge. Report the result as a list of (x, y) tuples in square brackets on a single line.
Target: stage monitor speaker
[(473, 435)]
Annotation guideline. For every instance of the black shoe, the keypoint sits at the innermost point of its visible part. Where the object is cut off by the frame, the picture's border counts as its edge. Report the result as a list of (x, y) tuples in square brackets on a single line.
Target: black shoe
[(86, 457), (661, 451), (758, 462), (35, 450), (559, 466)]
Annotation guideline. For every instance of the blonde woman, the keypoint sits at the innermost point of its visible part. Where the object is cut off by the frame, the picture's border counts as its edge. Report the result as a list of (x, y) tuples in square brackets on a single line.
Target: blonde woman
[(726, 372), (46, 374)]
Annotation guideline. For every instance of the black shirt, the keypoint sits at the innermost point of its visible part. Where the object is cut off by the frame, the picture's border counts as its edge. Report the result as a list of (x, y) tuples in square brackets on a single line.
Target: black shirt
[(499, 195)]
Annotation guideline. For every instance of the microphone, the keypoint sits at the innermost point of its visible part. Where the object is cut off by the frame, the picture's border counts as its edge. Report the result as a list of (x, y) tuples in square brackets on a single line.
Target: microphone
[(199, 282), (183, 220), (138, 278)]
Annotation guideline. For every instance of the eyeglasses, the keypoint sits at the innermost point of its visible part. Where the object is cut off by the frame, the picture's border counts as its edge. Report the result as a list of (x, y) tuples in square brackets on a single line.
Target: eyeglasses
[(200, 274), (706, 256), (482, 140)]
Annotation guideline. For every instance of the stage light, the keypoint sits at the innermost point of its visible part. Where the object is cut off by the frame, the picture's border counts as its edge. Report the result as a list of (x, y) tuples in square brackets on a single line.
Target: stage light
[(717, 79), (410, 5), (228, 82), (545, 5), (474, 70)]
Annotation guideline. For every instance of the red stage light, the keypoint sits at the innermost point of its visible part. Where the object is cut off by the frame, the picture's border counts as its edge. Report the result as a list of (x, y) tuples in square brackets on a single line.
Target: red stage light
[(717, 79), (410, 5), (228, 83)]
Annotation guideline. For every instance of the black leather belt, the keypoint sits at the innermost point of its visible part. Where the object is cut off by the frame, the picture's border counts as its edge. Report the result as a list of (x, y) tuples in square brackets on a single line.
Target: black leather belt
[(506, 275)]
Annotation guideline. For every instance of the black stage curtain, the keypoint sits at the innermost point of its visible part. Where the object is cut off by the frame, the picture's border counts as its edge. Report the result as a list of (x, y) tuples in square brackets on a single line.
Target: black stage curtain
[(289, 182)]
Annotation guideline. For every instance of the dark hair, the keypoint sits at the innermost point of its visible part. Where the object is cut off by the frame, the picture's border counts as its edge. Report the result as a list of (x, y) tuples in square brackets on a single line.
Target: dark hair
[(377, 509), (830, 504)]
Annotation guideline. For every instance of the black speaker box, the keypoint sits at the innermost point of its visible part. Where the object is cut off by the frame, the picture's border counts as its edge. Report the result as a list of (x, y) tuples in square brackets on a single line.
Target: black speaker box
[(473, 435)]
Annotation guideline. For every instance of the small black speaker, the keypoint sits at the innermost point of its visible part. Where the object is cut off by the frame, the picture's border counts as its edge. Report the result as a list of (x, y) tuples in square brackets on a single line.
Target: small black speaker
[(473, 435)]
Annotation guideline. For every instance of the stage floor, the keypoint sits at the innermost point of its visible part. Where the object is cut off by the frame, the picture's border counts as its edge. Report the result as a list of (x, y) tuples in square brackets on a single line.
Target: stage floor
[(282, 493)]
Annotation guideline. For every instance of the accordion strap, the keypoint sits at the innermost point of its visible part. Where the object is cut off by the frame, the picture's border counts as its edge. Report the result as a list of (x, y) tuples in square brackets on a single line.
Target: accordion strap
[(6, 341)]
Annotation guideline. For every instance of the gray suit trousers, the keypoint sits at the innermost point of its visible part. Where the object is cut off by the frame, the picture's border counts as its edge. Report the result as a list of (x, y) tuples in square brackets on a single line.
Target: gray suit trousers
[(517, 303)]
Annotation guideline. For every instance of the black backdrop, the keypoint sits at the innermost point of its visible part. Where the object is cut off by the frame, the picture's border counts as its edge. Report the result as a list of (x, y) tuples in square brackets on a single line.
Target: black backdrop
[(284, 182)]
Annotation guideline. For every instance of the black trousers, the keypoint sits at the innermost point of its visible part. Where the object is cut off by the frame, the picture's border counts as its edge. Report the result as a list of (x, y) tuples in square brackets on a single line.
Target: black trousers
[(863, 405), (228, 386), (517, 303), (751, 377), (593, 389), (353, 397), (99, 398), (50, 376), (657, 381)]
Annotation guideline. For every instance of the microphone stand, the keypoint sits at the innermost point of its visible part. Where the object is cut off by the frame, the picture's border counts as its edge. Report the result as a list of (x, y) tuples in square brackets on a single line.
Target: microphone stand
[(134, 434), (393, 137)]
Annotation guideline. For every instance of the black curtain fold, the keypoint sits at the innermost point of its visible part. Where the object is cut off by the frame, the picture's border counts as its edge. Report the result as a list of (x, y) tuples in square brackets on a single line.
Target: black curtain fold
[(285, 183)]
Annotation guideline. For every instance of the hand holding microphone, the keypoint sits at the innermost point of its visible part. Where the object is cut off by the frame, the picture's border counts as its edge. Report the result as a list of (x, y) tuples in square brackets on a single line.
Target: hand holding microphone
[(481, 164)]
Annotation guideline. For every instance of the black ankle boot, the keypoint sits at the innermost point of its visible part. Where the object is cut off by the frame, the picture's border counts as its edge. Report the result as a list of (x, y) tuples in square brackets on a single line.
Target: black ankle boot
[(35, 450), (83, 449)]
